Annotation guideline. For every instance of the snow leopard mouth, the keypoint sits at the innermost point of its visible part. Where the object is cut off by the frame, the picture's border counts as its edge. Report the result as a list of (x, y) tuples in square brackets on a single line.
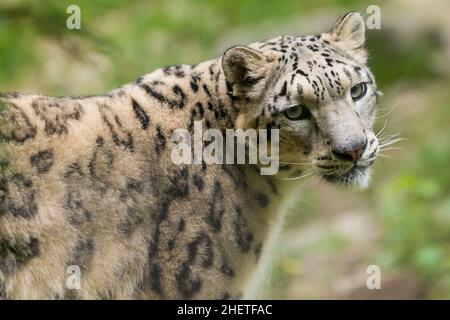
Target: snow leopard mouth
[(355, 176)]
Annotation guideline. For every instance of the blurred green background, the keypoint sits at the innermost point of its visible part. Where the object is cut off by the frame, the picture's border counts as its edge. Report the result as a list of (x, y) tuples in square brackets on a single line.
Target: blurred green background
[(401, 223)]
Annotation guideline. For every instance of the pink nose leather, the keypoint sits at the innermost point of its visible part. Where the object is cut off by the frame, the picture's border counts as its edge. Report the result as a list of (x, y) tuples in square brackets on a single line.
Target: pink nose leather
[(355, 154), (350, 155)]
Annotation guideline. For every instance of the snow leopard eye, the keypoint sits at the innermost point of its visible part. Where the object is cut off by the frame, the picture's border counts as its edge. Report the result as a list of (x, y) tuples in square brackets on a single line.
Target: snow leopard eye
[(358, 91), (297, 112)]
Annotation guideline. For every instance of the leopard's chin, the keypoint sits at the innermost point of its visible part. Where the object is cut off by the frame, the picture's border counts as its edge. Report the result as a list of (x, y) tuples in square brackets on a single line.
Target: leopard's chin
[(357, 176)]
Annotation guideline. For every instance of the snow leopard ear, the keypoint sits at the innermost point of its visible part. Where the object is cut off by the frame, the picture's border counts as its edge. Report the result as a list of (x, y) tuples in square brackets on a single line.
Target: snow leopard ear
[(349, 33), (247, 70)]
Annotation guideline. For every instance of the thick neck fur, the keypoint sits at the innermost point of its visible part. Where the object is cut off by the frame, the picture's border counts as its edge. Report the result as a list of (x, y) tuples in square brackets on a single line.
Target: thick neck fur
[(220, 112), (263, 198)]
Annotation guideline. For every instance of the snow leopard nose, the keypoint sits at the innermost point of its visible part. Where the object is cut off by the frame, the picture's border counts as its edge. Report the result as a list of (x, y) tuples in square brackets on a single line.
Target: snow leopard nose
[(352, 154)]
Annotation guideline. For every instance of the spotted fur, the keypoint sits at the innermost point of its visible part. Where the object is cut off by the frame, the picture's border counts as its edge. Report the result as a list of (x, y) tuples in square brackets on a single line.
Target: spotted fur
[(88, 181)]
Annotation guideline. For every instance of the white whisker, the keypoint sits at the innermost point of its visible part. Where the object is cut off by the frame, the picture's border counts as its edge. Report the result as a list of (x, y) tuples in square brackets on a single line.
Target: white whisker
[(391, 142), (298, 163), (385, 149), (299, 177), (309, 179), (381, 130), (389, 137), (384, 156), (387, 113)]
